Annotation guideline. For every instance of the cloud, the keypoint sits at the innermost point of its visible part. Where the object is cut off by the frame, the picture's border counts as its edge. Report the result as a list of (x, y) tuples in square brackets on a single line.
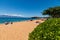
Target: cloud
[(19, 15)]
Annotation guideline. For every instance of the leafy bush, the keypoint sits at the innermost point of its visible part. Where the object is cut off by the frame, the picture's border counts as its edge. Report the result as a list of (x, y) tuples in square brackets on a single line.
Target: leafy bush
[(49, 30)]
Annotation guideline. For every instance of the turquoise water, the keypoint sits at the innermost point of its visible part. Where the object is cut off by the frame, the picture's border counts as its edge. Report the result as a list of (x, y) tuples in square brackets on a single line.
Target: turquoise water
[(3, 20)]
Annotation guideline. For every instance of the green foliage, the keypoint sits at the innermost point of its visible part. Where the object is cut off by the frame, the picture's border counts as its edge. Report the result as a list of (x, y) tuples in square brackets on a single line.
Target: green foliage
[(49, 30), (54, 12)]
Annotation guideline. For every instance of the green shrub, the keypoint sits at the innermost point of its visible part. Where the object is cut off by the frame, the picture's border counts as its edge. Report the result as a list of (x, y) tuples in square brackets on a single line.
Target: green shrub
[(49, 30)]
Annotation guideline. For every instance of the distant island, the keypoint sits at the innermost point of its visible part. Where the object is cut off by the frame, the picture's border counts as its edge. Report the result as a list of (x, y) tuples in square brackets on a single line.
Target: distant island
[(36, 17), (39, 17)]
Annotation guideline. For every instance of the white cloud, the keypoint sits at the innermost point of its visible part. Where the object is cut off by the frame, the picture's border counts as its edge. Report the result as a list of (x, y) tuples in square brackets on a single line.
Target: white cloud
[(13, 15)]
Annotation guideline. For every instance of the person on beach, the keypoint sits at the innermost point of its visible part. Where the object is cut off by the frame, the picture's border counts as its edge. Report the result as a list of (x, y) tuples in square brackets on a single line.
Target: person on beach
[(31, 20), (37, 22), (6, 23), (11, 22)]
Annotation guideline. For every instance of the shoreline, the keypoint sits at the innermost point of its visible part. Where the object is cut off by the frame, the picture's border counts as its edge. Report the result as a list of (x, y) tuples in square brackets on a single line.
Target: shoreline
[(18, 30), (19, 21)]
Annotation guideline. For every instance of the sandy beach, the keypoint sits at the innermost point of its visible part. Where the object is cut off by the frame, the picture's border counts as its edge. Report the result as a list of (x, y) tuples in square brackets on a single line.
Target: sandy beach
[(17, 30)]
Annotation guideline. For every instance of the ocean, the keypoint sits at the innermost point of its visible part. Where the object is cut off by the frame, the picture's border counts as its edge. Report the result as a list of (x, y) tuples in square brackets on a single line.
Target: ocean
[(17, 19)]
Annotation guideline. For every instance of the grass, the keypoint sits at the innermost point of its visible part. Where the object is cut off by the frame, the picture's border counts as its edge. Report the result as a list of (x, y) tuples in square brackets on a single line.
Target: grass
[(49, 30)]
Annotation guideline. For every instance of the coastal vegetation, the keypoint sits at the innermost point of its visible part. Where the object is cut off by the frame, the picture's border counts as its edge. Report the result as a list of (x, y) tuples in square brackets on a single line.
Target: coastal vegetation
[(36, 17), (49, 30), (52, 12)]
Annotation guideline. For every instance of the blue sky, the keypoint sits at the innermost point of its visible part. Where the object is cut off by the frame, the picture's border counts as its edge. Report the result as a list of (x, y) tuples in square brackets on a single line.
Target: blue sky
[(26, 8)]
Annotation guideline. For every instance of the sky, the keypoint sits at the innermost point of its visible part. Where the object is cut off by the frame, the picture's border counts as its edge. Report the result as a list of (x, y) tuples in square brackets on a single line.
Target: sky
[(26, 8)]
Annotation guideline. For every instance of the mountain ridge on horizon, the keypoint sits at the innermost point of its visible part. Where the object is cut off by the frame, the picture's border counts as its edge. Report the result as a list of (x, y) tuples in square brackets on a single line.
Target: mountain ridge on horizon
[(10, 16)]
